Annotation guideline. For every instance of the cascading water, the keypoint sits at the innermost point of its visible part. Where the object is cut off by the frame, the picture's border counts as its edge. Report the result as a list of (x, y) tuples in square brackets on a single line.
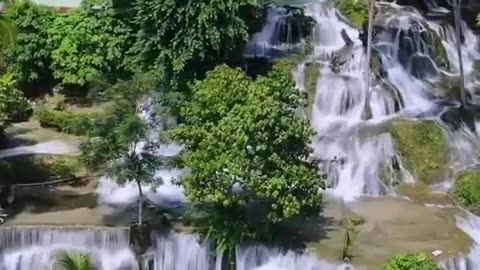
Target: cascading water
[(359, 159), (178, 252), (27, 248), (281, 33), (259, 257)]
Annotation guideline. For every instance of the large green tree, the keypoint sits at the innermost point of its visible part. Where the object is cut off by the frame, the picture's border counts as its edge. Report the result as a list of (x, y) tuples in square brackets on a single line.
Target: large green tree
[(186, 38), (30, 58), (119, 145), (88, 44), (246, 147)]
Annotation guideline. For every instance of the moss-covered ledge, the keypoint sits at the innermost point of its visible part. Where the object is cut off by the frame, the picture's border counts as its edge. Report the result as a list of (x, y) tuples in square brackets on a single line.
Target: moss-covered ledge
[(356, 11), (466, 191), (423, 149)]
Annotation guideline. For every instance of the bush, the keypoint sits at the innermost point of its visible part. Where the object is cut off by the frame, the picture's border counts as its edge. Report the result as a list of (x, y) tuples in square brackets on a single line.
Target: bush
[(412, 262), (66, 121), (467, 191), (14, 107)]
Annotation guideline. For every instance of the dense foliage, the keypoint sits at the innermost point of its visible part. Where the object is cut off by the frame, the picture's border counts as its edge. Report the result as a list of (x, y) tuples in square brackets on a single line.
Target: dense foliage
[(246, 147), (174, 32), (411, 262), (87, 45), (30, 58)]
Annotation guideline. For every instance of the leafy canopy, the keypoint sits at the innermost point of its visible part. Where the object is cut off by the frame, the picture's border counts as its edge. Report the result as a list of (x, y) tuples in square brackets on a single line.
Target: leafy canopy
[(88, 44), (412, 262), (172, 32), (30, 58), (246, 146)]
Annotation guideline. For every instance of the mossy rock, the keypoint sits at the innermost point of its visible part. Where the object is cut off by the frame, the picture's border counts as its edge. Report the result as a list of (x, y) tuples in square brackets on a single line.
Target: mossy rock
[(356, 11), (312, 74), (412, 262), (423, 148), (467, 190)]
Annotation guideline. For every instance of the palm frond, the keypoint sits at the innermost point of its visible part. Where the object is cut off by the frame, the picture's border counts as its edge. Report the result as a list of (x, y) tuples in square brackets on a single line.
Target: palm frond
[(74, 262)]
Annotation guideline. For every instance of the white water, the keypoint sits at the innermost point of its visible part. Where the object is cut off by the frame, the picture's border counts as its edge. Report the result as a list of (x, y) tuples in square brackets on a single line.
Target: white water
[(276, 35), (46, 148), (338, 116), (178, 252), (28, 248), (259, 257)]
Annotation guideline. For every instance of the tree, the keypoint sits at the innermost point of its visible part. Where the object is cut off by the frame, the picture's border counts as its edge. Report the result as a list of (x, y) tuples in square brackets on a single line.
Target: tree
[(247, 150), (30, 58), (120, 145), (185, 38), (75, 262), (457, 10), (79, 60), (412, 262)]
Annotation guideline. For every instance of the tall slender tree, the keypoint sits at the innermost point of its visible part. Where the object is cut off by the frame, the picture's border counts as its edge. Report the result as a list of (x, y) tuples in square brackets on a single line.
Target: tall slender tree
[(371, 10), (457, 7)]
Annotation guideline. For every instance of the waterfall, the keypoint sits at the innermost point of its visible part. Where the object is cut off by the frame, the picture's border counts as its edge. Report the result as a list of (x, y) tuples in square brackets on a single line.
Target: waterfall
[(281, 33), (259, 257), (357, 154), (45, 148), (178, 252), (27, 248), (470, 224)]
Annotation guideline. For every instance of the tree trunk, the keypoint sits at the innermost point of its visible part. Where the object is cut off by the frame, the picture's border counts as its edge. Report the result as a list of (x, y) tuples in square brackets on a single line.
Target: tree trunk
[(457, 7), (140, 204), (371, 10)]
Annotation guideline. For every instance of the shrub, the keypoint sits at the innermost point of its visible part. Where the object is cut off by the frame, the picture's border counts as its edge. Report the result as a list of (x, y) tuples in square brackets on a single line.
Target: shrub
[(14, 107), (66, 121), (412, 262)]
